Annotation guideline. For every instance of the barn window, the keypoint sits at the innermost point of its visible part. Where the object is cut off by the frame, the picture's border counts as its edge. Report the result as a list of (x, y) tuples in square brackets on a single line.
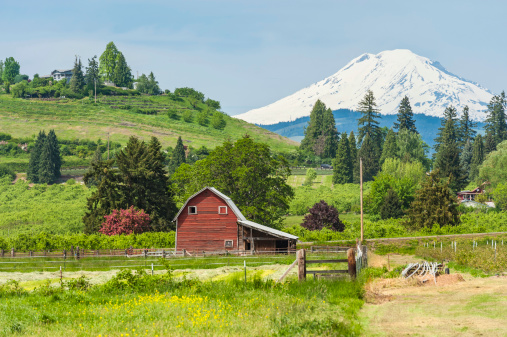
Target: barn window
[(222, 209), (229, 243), (192, 210)]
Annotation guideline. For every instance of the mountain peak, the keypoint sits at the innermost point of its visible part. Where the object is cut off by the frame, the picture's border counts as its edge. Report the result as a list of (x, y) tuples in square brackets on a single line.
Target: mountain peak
[(391, 75)]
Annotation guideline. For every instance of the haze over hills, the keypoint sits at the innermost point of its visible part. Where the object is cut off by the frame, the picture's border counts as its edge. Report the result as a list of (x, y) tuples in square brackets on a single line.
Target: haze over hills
[(390, 75)]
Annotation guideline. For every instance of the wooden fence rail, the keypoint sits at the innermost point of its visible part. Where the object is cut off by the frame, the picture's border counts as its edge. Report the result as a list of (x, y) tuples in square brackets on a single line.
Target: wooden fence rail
[(356, 260)]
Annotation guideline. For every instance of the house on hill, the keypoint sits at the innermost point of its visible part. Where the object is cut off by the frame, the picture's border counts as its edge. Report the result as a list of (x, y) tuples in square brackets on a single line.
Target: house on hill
[(210, 221), (60, 74)]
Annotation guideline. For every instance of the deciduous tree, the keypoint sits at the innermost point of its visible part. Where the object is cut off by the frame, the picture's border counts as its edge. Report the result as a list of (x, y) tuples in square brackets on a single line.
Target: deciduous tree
[(245, 171), (126, 222)]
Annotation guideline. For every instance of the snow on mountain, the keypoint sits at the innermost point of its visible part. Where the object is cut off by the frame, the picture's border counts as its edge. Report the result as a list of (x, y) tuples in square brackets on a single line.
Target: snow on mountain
[(390, 75)]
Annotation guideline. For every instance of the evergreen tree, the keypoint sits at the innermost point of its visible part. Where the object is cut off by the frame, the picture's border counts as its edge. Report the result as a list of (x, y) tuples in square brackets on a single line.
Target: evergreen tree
[(466, 160), (153, 84), (368, 123), (391, 206), (342, 165), (434, 204), (97, 155), (314, 140), (178, 156), (477, 157), (92, 73), (96, 159), (369, 153), (447, 157), (354, 158), (490, 145), (390, 149), (496, 125), (1, 71), (77, 80), (466, 128), (46, 164), (56, 157), (122, 75), (330, 133), (405, 117), (33, 164), (160, 206), (108, 62), (139, 180)]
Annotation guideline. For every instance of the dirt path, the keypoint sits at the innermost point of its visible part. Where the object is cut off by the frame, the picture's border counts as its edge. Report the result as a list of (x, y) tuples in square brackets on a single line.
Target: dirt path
[(456, 306)]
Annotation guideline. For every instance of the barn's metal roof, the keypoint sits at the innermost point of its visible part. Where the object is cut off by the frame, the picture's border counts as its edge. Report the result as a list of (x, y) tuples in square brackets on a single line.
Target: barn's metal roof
[(267, 229), (225, 198), (241, 218)]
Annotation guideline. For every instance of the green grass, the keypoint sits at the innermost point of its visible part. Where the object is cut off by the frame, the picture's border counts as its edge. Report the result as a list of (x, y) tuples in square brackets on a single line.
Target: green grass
[(321, 180), (70, 264), (131, 305), (79, 119)]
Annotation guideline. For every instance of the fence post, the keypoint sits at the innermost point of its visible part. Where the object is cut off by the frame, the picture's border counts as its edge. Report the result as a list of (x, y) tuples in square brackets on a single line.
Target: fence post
[(2, 252), (30, 253), (301, 257), (184, 252), (77, 252), (12, 252), (351, 257)]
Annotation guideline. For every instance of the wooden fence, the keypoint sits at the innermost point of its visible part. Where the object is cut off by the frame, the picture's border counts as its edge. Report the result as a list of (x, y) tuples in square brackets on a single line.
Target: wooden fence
[(357, 259)]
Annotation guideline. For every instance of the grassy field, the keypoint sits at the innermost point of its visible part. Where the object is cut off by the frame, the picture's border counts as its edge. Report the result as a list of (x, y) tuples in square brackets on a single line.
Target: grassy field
[(322, 180), (214, 301), (80, 119)]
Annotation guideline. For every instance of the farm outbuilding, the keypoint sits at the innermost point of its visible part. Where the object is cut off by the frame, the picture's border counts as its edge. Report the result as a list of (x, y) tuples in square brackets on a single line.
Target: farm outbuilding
[(210, 221)]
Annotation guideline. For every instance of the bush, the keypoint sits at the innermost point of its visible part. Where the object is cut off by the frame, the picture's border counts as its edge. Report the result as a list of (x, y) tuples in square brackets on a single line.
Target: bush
[(323, 216), (126, 221), (187, 116), (71, 182), (6, 171)]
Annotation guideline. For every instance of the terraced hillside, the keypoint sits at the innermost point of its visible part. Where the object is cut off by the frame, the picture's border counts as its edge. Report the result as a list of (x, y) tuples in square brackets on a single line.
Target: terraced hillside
[(123, 116)]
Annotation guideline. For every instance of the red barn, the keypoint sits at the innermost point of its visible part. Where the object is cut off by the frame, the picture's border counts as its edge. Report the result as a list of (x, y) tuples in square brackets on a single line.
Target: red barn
[(210, 221)]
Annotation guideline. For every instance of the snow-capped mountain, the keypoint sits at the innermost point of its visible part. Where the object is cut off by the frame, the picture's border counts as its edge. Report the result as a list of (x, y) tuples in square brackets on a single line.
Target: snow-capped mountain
[(390, 75)]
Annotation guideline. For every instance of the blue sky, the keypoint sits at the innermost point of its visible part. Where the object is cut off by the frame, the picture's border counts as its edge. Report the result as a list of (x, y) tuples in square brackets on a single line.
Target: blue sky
[(248, 54)]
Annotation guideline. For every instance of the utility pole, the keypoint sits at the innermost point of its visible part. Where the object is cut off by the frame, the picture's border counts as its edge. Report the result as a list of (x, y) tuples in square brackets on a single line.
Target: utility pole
[(361, 189), (95, 91), (108, 159)]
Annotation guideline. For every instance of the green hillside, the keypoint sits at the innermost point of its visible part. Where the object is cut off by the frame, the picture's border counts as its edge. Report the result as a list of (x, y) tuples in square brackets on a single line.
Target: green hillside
[(124, 116)]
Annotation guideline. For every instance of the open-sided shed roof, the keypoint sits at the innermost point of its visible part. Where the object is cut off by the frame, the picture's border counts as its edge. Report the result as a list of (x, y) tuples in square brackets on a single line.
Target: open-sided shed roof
[(268, 230)]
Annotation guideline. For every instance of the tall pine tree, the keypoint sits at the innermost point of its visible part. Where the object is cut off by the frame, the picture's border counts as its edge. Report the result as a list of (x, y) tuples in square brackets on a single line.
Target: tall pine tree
[(390, 149), (321, 137), (342, 165), (178, 156), (490, 143), (368, 122), (466, 128), (77, 80), (330, 134), (56, 155), (496, 125), (122, 75), (478, 155), (465, 160), (92, 73), (33, 164), (369, 153), (447, 157), (405, 117)]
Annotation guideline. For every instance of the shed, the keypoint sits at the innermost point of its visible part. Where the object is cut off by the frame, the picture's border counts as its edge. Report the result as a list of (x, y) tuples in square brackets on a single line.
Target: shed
[(210, 221)]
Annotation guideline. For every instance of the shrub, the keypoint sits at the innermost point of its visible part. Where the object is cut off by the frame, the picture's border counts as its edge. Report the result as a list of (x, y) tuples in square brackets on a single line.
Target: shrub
[(71, 182), (6, 171), (311, 174), (187, 116), (126, 221), (323, 216)]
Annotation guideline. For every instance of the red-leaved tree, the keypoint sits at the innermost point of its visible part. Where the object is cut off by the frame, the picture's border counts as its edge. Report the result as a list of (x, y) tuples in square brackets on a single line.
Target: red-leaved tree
[(321, 216), (126, 221)]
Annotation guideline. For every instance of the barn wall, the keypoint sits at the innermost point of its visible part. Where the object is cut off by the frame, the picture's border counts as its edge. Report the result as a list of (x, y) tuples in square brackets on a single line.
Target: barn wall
[(207, 230)]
